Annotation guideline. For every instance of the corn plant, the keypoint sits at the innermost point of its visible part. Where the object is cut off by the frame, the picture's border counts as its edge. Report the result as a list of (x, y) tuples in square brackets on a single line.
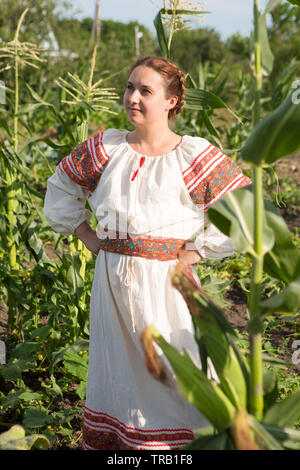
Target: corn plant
[(17, 54), (83, 96), (172, 18), (86, 98), (242, 404), (197, 95)]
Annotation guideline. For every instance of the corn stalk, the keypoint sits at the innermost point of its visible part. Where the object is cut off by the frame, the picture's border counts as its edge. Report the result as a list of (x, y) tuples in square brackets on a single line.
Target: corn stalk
[(86, 97), (256, 378), (17, 54)]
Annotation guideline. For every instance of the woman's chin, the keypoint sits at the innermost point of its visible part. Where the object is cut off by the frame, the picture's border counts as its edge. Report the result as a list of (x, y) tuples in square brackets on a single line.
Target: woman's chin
[(134, 118)]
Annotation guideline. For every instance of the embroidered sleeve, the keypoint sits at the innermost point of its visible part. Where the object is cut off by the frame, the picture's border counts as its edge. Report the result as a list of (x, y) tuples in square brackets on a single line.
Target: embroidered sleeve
[(68, 189), (86, 162), (211, 175)]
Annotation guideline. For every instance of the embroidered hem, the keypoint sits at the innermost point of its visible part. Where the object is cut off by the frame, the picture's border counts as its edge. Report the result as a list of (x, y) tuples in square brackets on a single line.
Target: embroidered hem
[(104, 432)]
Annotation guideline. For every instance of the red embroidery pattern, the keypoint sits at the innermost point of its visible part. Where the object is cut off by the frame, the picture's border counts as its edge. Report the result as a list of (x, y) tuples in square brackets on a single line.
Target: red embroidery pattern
[(86, 162), (104, 432), (211, 175), (153, 248)]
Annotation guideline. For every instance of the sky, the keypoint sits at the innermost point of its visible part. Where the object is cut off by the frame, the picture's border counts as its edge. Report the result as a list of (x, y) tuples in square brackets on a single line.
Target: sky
[(227, 16)]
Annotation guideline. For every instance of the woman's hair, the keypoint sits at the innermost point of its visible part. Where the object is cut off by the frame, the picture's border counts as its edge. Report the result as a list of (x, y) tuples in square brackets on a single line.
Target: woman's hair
[(172, 76)]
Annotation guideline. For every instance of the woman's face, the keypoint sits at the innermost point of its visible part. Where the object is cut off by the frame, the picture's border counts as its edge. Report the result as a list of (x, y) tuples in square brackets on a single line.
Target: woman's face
[(145, 97)]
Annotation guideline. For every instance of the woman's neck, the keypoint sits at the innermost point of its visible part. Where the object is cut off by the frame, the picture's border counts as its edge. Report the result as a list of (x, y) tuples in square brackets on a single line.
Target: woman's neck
[(152, 139)]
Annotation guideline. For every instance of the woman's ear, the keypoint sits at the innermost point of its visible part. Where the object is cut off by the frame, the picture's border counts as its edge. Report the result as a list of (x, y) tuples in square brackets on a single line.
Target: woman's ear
[(173, 101)]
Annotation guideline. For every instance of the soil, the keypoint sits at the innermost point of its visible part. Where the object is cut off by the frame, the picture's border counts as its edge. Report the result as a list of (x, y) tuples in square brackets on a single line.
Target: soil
[(236, 313)]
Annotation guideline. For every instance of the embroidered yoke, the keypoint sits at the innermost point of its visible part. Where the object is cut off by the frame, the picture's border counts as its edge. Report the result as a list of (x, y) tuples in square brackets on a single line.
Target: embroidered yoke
[(146, 208)]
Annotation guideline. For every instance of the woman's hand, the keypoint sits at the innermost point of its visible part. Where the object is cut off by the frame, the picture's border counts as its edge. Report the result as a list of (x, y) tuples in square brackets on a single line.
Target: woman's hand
[(89, 237), (188, 257)]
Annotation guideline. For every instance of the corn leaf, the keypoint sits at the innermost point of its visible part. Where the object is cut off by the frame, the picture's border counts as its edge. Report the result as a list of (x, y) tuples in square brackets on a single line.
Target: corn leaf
[(202, 393), (284, 413), (215, 442), (80, 344), (233, 215), (270, 387), (286, 302), (41, 102), (265, 439), (295, 2), (198, 99), (161, 34), (283, 260), (185, 12), (212, 331), (211, 129), (267, 58), (289, 438), (281, 127)]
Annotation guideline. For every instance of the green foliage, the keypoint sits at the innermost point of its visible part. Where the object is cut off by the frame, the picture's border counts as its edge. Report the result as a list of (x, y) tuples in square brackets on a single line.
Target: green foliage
[(49, 326), (203, 45), (39, 21), (15, 439), (281, 127)]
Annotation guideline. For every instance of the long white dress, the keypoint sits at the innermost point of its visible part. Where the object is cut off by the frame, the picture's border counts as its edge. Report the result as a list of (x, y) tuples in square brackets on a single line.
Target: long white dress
[(159, 201)]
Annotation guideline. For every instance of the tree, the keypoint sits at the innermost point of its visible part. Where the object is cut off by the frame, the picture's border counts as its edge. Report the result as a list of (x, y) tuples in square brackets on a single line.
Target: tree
[(39, 21), (284, 37), (202, 44)]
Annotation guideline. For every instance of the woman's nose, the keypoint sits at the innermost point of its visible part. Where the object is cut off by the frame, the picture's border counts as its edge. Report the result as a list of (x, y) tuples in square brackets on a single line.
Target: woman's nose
[(134, 97)]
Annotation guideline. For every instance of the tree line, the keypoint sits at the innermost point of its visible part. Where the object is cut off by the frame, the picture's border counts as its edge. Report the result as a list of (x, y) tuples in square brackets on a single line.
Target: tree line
[(117, 49)]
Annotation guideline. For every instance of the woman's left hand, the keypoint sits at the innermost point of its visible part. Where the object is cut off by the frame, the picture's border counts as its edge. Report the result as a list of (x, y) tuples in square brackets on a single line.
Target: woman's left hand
[(188, 257)]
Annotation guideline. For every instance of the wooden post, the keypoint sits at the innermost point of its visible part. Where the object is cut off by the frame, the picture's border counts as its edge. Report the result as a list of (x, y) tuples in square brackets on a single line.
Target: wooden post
[(95, 33)]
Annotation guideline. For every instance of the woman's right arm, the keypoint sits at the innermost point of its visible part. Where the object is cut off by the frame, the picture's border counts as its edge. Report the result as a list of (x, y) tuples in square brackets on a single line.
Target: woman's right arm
[(64, 208), (75, 178)]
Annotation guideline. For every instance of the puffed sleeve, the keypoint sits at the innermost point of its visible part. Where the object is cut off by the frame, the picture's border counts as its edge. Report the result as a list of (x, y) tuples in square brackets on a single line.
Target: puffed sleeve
[(64, 205), (213, 244), (208, 175), (75, 178)]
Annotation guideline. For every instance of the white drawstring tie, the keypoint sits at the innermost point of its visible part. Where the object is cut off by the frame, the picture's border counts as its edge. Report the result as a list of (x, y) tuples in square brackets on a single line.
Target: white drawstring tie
[(129, 280)]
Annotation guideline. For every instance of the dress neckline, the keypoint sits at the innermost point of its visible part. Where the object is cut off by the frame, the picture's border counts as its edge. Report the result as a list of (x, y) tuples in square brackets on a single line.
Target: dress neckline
[(152, 156)]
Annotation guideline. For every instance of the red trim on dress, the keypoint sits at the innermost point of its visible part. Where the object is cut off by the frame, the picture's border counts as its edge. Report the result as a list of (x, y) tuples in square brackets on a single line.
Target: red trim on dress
[(195, 160), (102, 145), (104, 432)]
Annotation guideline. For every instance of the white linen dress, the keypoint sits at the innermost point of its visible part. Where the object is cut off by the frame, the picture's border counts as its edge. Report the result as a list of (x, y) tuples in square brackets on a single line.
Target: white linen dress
[(151, 198)]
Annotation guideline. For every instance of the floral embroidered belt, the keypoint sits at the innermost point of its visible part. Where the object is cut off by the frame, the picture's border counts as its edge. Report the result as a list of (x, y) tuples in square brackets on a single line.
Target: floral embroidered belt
[(153, 248)]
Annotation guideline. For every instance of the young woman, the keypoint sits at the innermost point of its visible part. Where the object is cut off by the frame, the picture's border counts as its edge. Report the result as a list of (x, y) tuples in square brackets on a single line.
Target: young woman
[(149, 189)]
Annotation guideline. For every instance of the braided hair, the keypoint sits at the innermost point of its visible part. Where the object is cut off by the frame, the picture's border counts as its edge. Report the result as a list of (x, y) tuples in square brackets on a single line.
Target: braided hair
[(173, 78)]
